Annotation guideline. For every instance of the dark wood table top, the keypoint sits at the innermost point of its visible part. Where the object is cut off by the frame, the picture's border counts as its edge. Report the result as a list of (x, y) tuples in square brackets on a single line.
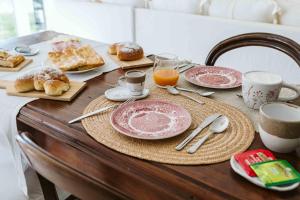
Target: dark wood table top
[(135, 178)]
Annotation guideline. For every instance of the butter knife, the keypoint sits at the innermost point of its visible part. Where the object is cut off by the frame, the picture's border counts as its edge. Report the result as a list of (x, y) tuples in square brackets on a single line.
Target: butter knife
[(207, 121)]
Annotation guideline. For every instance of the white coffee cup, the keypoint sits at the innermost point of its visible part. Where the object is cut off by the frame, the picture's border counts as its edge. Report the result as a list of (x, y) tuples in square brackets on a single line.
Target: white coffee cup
[(134, 80), (279, 126), (260, 87)]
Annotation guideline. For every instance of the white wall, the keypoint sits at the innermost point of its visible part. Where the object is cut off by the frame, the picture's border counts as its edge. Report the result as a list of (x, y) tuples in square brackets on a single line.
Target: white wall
[(193, 36), (97, 21)]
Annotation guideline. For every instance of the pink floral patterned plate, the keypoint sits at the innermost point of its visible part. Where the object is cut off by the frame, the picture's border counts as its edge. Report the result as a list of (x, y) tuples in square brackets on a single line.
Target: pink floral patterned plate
[(214, 77), (151, 119)]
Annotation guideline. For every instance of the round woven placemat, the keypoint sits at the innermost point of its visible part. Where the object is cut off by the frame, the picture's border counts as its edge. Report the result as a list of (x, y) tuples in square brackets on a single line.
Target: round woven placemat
[(220, 147)]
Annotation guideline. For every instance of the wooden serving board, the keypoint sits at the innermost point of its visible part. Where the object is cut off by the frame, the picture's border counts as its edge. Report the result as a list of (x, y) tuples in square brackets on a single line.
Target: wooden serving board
[(18, 68), (75, 88), (4, 83), (144, 62)]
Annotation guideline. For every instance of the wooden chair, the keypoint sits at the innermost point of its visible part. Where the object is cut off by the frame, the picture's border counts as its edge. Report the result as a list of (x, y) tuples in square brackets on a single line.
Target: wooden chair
[(50, 168), (283, 44)]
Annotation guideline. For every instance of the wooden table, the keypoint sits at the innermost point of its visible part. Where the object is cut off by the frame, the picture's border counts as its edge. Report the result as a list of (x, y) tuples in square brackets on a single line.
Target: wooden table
[(122, 175)]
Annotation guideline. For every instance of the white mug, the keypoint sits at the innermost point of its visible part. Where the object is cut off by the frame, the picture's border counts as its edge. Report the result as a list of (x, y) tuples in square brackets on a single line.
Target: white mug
[(260, 87), (279, 125)]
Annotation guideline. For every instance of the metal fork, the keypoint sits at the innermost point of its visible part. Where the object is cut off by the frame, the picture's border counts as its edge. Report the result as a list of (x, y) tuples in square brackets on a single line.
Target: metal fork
[(132, 99)]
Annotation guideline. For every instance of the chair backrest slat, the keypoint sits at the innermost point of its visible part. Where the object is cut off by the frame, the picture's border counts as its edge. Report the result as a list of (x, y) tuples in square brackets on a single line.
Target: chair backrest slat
[(278, 42)]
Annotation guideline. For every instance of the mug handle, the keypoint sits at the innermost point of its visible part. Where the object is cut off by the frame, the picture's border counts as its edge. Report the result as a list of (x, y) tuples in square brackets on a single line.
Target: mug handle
[(122, 81), (285, 85)]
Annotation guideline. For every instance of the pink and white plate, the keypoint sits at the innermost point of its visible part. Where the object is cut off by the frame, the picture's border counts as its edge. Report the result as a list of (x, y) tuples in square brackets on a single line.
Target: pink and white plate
[(151, 119), (214, 77)]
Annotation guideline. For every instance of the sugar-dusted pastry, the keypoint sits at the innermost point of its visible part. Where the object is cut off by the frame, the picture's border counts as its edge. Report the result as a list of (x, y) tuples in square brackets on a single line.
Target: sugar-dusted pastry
[(112, 49), (91, 57), (48, 74), (53, 81), (74, 58), (66, 60), (24, 83), (10, 60), (55, 87), (63, 44), (127, 51)]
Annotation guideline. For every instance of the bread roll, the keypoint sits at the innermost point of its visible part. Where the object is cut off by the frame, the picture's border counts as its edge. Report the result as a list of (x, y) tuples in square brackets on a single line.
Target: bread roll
[(48, 74), (53, 81), (24, 83), (112, 49), (129, 52), (55, 87)]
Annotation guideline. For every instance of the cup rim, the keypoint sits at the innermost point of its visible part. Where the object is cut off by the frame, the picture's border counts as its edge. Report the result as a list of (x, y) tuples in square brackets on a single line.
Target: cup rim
[(281, 80), (166, 56), (135, 70), (277, 120)]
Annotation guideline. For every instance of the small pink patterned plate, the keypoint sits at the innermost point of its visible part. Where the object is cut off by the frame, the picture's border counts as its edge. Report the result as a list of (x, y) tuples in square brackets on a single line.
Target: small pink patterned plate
[(151, 119), (214, 77)]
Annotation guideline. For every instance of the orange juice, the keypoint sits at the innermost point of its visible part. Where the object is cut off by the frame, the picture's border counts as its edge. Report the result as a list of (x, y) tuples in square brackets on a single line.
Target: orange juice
[(164, 77)]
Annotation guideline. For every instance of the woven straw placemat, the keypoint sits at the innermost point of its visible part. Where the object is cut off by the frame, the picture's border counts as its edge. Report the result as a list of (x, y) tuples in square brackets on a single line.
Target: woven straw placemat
[(220, 147)]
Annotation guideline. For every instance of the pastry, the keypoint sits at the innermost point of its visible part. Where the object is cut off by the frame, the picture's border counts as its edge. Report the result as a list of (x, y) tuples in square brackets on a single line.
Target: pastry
[(48, 74), (112, 49), (71, 59), (55, 87), (91, 57), (126, 51), (52, 81), (61, 45), (9, 60), (24, 83)]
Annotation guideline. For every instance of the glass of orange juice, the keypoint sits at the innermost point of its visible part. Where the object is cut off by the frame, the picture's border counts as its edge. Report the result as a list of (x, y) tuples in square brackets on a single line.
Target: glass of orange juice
[(165, 71)]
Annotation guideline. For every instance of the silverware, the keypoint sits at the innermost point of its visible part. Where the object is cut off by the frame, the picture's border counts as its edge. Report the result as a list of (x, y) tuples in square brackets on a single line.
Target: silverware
[(189, 66), (218, 126), (174, 91), (203, 94), (207, 121), (239, 95), (101, 110)]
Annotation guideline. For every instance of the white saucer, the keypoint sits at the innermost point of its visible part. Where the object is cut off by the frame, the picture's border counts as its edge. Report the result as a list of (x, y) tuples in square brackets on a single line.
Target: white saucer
[(33, 52), (122, 94), (239, 170)]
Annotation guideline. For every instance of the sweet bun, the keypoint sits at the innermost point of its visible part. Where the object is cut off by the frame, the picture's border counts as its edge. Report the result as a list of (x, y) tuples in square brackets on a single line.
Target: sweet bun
[(50, 80), (55, 87), (112, 49), (24, 83), (38, 81), (48, 74), (129, 52)]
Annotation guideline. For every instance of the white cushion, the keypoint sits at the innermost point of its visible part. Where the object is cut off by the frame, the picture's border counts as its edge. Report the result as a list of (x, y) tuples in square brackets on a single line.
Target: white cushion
[(186, 6), (131, 3), (249, 10), (290, 14)]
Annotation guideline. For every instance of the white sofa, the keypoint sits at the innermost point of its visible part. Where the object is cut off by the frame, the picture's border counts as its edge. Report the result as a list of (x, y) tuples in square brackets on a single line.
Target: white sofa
[(187, 35)]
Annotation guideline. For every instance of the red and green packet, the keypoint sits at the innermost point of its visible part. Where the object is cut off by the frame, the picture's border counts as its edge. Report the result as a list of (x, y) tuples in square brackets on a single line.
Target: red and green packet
[(248, 158), (276, 172)]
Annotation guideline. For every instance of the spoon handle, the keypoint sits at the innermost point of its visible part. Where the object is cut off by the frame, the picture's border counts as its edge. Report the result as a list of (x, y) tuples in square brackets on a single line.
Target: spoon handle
[(196, 146), (192, 98)]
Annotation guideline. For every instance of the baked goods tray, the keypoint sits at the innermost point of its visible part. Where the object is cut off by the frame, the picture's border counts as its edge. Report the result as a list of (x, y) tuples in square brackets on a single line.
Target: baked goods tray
[(144, 62), (17, 68), (75, 88)]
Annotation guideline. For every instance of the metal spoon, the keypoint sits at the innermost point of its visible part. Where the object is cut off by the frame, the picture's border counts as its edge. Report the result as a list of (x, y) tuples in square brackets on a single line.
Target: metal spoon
[(218, 126), (203, 94), (174, 91)]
